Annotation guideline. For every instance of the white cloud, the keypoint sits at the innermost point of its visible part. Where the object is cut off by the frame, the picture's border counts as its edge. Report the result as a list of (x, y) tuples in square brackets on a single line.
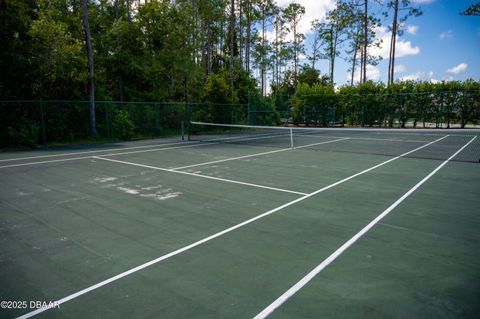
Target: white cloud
[(412, 29), (314, 9), (373, 73), (419, 76), (402, 48), (413, 77), (458, 69), (302, 57), (400, 68), (405, 48), (446, 35)]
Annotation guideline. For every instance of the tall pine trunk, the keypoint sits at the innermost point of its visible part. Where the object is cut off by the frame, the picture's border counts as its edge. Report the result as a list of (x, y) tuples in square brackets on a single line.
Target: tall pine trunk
[(365, 43), (247, 39), (333, 54), (276, 77), (240, 33), (262, 63), (391, 62), (91, 84), (129, 14), (118, 61), (295, 55), (209, 48), (232, 43), (194, 42)]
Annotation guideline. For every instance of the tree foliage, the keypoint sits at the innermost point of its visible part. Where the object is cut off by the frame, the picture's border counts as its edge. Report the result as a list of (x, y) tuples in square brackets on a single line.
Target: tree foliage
[(473, 10), (203, 53)]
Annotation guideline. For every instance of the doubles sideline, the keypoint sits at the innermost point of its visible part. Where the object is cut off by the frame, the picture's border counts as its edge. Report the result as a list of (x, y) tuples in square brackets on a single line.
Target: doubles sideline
[(204, 143), (108, 154), (86, 152), (314, 272), (218, 234)]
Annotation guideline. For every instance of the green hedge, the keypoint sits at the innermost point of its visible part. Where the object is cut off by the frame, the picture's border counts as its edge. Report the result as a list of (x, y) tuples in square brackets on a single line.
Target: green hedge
[(403, 104)]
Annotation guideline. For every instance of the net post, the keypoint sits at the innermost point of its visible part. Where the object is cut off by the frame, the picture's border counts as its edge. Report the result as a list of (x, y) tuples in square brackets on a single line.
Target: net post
[(189, 130), (291, 138), (182, 128)]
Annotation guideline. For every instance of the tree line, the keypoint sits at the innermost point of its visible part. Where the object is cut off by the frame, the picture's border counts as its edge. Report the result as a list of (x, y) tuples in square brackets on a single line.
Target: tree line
[(169, 50), (213, 52)]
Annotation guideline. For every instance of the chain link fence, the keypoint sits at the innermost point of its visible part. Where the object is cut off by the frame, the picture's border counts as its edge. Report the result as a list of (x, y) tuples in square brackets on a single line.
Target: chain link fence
[(450, 109), (30, 123)]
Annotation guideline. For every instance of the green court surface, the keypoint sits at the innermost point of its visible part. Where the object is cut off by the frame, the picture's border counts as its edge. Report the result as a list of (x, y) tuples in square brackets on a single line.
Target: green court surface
[(184, 229)]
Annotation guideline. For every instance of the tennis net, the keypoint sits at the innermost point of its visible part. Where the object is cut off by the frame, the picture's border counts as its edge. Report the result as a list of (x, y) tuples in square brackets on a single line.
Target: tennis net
[(372, 141)]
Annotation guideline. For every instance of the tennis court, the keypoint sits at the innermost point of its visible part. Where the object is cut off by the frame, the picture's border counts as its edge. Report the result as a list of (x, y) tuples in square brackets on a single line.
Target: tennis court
[(246, 224)]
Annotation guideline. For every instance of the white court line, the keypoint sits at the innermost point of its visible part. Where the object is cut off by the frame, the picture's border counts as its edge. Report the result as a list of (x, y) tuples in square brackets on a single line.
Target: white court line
[(364, 138), (158, 149), (112, 154), (46, 162), (305, 280), (204, 143), (87, 152), (221, 233), (257, 154), (199, 175), (207, 142)]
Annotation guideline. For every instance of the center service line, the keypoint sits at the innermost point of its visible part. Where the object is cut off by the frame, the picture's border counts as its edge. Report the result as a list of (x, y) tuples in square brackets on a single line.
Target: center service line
[(258, 154), (221, 233)]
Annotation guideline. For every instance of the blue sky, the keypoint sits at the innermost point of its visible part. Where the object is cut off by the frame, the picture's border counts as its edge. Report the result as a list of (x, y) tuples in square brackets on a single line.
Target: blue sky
[(439, 45)]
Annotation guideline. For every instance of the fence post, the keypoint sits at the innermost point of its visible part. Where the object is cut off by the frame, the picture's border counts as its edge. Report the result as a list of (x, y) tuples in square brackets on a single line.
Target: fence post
[(157, 119), (362, 100), (442, 108), (42, 115), (447, 107), (107, 128), (248, 109)]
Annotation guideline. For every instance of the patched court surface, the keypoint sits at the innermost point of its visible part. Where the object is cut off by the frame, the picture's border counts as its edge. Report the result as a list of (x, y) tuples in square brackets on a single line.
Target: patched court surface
[(378, 226)]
